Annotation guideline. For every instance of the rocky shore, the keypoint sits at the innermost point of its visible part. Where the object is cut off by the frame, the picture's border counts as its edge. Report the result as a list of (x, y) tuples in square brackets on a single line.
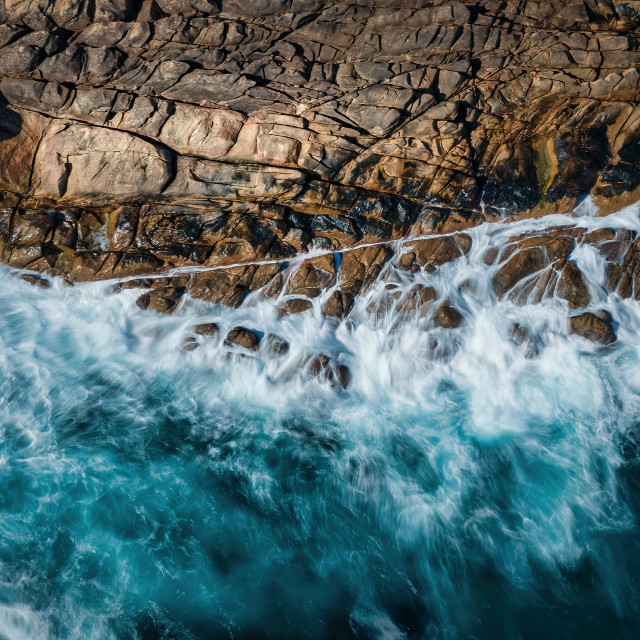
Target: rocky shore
[(197, 148)]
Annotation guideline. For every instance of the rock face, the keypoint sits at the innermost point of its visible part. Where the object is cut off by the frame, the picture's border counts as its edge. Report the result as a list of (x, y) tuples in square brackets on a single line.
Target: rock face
[(137, 136)]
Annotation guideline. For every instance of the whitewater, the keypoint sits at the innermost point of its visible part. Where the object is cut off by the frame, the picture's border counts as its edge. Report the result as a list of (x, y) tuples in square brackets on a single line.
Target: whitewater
[(462, 485)]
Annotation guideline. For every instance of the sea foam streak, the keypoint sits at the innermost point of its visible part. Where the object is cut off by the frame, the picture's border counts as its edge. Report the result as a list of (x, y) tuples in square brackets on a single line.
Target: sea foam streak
[(465, 490)]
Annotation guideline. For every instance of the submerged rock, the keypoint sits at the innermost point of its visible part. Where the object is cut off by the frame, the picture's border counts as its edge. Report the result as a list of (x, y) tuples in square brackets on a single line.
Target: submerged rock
[(36, 281), (275, 345), (324, 367), (189, 344), (163, 300)]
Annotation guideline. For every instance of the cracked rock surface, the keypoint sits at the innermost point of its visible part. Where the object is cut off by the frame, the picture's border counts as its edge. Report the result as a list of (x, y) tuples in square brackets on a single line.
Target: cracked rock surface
[(141, 136)]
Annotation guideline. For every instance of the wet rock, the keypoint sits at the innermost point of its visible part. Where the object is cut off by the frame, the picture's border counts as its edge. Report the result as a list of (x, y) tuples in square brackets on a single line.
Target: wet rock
[(447, 317), (361, 267), (523, 264), (138, 283), (490, 255), (521, 336), (303, 126), (242, 337), (324, 367), (571, 286), (275, 345), (36, 281), (431, 253), (416, 298), (294, 305), (229, 287), (207, 330), (162, 300), (189, 344), (338, 305), (312, 276), (593, 327)]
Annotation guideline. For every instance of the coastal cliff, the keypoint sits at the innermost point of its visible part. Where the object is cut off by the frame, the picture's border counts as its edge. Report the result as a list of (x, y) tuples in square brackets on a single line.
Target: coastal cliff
[(137, 138)]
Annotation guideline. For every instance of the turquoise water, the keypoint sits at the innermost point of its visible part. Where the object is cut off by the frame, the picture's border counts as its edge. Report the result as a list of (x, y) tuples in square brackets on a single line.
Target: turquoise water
[(147, 492)]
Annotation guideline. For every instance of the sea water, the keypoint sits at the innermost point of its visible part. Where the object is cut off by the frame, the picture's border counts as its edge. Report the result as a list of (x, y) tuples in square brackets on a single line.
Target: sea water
[(466, 490)]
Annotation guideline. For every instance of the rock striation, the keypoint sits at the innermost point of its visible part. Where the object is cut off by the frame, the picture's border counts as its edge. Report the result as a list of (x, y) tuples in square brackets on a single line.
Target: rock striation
[(137, 137)]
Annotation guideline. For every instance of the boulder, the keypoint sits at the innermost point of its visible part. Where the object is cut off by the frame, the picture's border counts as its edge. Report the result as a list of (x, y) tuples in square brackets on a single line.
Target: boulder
[(322, 366), (597, 328), (571, 286), (276, 346), (207, 330), (243, 337), (292, 306), (447, 317)]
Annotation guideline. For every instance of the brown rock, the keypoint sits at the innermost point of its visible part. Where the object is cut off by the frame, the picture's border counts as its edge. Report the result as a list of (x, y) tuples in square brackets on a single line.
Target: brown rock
[(242, 337), (447, 317), (207, 330), (521, 265), (324, 367), (36, 281), (414, 299), (338, 305), (294, 305), (189, 344), (571, 286), (312, 276), (434, 252), (275, 345), (163, 300), (361, 267), (312, 125), (593, 327)]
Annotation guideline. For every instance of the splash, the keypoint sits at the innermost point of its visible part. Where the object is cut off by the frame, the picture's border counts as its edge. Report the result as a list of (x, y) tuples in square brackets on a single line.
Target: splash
[(462, 485)]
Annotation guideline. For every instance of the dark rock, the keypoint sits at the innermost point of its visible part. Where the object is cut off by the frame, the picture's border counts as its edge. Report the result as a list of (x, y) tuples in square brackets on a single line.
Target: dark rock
[(294, 305), (163, 300), (523, 264), (189, 344), (447, 317), (571, 286), (207, 330), (338, 305), (275, 345), (324, 367), (242, 337), (594, 328), (36, 281)]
